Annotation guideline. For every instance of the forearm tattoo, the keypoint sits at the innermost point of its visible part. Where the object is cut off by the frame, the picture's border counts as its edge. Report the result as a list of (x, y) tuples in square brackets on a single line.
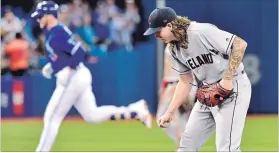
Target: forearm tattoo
[(238, 49)]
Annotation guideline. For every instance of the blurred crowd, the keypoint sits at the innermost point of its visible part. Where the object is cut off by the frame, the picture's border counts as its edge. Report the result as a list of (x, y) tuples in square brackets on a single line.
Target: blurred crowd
[(100, 25)]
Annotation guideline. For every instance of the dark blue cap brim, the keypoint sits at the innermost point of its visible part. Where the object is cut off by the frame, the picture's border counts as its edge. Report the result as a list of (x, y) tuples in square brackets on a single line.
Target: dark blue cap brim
[(150, 31)]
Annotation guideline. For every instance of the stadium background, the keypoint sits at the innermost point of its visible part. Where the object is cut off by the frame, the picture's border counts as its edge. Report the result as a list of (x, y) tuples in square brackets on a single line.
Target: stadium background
[(122, 76)]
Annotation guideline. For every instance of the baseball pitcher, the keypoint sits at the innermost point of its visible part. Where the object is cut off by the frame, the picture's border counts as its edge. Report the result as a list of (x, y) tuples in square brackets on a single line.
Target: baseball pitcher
[(215, 57)]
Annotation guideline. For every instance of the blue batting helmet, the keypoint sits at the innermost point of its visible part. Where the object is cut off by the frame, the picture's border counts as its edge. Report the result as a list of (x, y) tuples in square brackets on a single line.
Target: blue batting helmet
[(45, 8)]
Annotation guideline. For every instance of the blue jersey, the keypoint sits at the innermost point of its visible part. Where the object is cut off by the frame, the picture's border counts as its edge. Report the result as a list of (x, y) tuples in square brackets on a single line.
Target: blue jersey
[(62, 49)]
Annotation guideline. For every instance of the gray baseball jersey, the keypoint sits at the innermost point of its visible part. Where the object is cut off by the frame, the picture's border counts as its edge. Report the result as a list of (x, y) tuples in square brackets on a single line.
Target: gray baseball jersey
[(207, 55)]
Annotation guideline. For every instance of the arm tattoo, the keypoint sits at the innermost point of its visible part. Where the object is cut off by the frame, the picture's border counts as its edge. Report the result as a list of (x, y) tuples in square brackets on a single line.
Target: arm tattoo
[(238, 49)]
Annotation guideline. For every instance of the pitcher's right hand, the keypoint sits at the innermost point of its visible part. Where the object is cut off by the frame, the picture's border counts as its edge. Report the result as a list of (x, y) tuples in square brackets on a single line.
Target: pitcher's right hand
[(164, 121)]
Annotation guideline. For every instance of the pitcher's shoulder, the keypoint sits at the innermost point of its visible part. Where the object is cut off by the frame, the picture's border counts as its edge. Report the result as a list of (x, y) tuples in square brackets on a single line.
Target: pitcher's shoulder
[(197, 26)]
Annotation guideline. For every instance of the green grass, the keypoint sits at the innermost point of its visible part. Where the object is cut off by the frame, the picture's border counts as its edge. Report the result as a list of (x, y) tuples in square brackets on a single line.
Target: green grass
[(260, 134)]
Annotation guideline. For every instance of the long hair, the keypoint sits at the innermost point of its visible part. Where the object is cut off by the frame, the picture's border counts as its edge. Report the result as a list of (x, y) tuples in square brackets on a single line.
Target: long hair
[(179, 29)]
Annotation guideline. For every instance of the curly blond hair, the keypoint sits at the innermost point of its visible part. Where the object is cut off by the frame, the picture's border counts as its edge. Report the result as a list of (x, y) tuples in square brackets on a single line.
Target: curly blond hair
[(179, 29)]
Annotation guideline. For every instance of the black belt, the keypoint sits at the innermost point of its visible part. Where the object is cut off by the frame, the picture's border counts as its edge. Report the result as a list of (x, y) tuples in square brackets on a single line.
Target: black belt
[(77, 66)]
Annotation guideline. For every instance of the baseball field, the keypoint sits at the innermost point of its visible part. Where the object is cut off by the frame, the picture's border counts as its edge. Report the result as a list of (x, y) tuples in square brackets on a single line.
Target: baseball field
[(260, 134)]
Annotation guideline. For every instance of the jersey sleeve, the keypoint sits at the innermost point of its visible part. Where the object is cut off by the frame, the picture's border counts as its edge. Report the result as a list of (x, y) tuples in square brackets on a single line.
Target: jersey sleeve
[(65, 42), (178, 66), (219, 39)]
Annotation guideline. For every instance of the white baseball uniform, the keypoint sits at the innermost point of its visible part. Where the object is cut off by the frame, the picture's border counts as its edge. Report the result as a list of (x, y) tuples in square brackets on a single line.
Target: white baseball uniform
[(74, 88)]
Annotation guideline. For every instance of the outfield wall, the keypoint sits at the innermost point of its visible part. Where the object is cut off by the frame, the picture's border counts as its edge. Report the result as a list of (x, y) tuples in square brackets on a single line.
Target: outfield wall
[(118, 79), (124, 77)]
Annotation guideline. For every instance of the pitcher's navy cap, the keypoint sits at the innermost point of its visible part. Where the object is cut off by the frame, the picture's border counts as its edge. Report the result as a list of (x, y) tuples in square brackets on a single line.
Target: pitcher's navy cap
[(159, 18)]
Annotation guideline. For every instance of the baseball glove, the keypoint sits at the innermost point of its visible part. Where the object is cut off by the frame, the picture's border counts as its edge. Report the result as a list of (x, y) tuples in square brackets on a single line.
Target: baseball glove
[(212, 94)]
